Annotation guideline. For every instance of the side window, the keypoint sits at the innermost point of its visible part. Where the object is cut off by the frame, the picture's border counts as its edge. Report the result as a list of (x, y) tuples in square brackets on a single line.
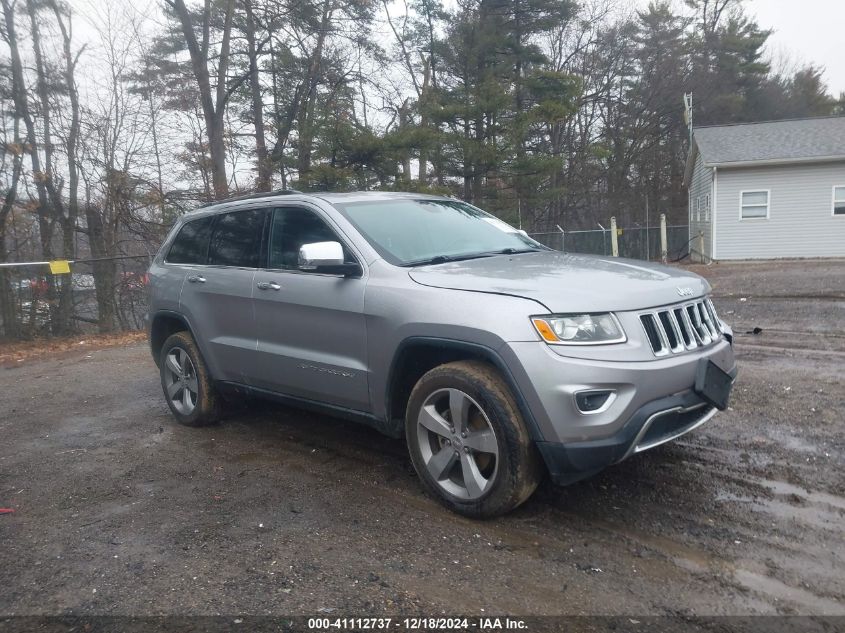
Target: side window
[(839, 200), (191, 244), (754, 204), (236, 239), (291, 228)]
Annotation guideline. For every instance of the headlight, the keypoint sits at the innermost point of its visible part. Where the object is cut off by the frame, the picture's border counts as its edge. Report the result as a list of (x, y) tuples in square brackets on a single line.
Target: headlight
[(579, 329)]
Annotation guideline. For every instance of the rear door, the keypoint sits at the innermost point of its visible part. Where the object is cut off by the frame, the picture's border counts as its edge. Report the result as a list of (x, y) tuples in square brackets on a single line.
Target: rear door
[(217, 296), (188, 250), (312, 339)]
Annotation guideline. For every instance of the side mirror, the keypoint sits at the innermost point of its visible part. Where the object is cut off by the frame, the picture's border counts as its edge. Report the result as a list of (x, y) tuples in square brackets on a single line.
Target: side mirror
[(325, 257)]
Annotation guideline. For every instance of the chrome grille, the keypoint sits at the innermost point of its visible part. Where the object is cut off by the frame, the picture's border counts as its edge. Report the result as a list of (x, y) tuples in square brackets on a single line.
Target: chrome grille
[(682, 327)]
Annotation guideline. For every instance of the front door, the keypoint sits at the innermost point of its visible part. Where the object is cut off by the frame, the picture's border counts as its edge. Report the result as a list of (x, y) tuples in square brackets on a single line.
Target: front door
[(310, 326)]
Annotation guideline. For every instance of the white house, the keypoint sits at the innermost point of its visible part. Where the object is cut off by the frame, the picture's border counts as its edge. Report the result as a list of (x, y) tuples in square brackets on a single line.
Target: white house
[(768, 190)]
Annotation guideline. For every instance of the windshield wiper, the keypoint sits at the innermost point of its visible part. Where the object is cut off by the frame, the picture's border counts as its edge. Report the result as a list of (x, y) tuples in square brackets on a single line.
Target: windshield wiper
[(442, 259), (516, 251)]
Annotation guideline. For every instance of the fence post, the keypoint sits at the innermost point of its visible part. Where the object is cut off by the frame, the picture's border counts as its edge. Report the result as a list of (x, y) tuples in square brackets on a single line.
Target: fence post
[(664, 247), (614, 238), (562, 238)]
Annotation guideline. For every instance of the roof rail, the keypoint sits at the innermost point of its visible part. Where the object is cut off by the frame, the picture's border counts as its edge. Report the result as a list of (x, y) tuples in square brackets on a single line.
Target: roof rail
[(250, 196)]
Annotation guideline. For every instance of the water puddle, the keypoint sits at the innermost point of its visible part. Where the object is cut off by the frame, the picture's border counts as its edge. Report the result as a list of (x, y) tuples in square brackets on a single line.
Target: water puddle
[(815, 514), (785, 489), (776, 589)]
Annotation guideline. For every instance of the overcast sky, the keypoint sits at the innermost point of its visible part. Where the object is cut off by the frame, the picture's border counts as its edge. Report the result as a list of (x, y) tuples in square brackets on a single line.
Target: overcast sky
[(806, 31)]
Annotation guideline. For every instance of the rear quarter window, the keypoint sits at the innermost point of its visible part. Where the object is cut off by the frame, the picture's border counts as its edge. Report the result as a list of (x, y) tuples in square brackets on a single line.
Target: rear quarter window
[(191, 244)]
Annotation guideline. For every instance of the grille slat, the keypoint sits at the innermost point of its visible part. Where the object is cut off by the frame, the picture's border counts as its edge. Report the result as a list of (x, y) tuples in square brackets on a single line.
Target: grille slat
[(705, 314), (664, 339), (685, 328), (700, 328), (682, 327)]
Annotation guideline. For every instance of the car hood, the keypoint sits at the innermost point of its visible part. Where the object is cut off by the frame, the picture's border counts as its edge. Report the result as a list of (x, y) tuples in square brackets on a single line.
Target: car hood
[(564, 282)]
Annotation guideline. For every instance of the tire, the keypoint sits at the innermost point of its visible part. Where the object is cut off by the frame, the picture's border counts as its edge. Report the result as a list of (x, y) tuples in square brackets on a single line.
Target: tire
[(488, 465), (186, 382)]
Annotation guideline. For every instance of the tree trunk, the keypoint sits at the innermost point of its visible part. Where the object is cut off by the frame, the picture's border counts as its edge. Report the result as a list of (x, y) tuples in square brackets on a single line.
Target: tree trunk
[(423, 106), (19, 96), (72, 209), (467, 164), (104, 271), (404, 120), (306, 116), (8, 312), (477, 171), (263, 166), (61, 301), (212, 109)]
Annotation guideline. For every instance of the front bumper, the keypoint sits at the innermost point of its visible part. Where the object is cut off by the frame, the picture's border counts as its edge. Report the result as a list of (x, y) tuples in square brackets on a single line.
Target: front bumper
[(653, 402), (655, 423)]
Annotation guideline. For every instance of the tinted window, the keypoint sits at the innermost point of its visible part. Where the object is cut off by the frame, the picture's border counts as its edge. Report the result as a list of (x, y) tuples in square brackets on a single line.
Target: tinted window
[(191, 244), (293, 227), (236, 239)]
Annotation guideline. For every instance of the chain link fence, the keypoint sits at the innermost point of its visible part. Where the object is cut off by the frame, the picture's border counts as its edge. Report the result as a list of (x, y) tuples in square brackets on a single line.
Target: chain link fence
[(100, 295), (636, 243), (110, 294)]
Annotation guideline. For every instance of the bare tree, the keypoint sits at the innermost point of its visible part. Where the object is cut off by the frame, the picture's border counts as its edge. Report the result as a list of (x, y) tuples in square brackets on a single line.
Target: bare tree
[(264, 168), (39, 175), (13, 147), (213, 99)]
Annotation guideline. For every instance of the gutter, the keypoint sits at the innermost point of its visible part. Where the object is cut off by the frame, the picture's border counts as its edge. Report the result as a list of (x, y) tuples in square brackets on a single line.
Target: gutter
[(776, 161)]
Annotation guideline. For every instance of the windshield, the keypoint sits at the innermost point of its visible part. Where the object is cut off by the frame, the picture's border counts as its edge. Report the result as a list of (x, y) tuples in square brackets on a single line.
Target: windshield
[(409, 232)]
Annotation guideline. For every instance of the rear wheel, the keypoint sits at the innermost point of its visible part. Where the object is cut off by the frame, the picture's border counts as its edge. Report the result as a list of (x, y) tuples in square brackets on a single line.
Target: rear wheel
[(186, 383), (468, 441)]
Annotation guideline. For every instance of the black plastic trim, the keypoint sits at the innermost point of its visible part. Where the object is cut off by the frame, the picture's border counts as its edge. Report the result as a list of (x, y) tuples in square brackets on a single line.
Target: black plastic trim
[(353, 415), (476, 349), (170, 314)]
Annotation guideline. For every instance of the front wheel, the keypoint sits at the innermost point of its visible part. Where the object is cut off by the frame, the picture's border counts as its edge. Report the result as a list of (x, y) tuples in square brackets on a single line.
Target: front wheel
[(468, 441), (186, 383)]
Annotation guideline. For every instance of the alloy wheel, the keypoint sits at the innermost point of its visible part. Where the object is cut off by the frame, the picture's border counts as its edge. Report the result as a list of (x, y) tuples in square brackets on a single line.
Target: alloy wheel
[(458, 444), (181, 383)]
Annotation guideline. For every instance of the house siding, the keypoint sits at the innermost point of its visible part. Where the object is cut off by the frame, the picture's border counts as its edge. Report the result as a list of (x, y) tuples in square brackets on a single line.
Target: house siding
[(800, 222), (701, 190)]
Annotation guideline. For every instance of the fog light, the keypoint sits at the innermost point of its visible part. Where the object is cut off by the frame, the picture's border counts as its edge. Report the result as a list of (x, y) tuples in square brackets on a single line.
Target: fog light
[(592, 401)]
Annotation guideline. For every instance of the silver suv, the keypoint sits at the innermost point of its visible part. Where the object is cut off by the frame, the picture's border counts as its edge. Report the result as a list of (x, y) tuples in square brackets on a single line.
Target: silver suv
[(497, 359)]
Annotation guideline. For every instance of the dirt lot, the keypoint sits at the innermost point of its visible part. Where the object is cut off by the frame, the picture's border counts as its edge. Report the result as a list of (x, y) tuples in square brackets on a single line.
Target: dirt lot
[(117, 510)]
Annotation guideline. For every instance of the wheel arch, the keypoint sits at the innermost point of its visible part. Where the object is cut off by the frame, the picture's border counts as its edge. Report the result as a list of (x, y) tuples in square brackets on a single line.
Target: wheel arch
[(163, 324), (416, 355)]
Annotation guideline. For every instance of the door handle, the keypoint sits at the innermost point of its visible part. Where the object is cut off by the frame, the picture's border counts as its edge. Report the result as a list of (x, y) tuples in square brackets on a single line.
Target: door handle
[(196, 279), (268, 285)]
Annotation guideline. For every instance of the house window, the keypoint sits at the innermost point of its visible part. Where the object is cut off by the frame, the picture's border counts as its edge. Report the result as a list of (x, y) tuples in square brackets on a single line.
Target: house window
[(839, 200), (754, 204), (702, 208)]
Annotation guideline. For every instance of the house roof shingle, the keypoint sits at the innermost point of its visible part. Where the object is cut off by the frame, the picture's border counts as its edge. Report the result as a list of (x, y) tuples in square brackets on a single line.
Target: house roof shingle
[(793, 140)]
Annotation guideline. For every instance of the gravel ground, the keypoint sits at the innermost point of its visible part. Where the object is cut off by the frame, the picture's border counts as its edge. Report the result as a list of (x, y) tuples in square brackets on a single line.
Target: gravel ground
[(117, 510)]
